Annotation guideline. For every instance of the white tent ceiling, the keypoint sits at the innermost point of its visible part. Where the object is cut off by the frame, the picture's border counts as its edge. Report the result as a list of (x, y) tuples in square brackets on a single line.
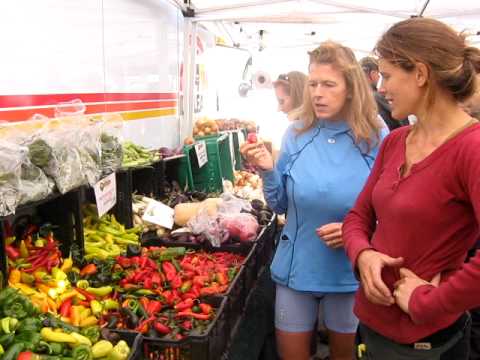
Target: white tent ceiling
[(305, 23)]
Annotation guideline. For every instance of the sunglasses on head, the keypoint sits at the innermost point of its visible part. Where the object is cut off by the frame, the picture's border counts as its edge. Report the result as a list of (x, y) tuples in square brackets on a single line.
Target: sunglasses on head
[(283, 77)]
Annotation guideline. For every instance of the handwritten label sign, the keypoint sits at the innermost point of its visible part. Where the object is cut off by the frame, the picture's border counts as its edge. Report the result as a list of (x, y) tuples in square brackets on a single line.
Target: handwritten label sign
[(105, 194), (159, 214), (201, 150)]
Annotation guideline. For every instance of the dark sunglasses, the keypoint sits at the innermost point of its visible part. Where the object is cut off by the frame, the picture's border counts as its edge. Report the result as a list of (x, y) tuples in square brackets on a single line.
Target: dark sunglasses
[(283, 77)]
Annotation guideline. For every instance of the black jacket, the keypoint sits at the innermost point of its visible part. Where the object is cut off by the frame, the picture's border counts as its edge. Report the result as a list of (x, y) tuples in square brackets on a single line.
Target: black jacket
[(384, 112)]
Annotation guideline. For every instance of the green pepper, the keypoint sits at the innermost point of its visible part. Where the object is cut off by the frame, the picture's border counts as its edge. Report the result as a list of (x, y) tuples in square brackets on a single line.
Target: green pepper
[(121, 351), (30, 340), (231, 273), (143, 292), (13, 351), (92, 333), (7, 293), (82, 352), (56, 348), (29, 324), (7, 339)]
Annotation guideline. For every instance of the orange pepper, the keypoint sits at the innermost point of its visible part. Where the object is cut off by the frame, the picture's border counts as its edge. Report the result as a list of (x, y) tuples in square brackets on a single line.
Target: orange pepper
[(14, 276)]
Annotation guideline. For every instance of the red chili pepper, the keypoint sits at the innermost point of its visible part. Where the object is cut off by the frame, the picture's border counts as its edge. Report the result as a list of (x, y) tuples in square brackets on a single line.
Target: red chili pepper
[(187, 325), (169, 270), (151, 264), (144, 325), (192, 314), (12, 252), (65, 307), (85, 293), (189, 295), (211, 290), (89, 269), (148, 283), (186, 286), (200, 280), (25, 355), (156, 279), (143, 261), (162, 328), (222, 278), (144, 301), (176, 282), (187, 266), (187, 303), (154, 307), (124, 262), (206, 308), (84, 303)]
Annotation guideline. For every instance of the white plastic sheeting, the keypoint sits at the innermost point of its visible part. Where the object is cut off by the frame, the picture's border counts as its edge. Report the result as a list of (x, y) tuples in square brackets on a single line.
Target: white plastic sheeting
[(305, 23)]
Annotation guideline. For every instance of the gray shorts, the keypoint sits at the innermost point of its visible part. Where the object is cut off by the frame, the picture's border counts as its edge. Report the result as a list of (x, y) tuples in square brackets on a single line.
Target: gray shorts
[(297, 311)]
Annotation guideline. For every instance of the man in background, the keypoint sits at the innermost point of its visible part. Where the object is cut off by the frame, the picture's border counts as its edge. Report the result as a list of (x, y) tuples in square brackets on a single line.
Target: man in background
[(370, 67)]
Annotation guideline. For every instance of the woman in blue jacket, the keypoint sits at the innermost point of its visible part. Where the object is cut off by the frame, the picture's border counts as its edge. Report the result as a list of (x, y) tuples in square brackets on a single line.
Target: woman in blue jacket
[(323, 164)]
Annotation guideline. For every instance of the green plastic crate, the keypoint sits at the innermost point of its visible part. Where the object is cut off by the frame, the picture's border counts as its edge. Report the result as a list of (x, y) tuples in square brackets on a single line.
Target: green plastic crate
[(183, 171), (219, 166), (234, 139)]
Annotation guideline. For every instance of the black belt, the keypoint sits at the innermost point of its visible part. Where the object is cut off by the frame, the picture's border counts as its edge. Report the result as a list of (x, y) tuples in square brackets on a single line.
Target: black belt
[(442, 336)]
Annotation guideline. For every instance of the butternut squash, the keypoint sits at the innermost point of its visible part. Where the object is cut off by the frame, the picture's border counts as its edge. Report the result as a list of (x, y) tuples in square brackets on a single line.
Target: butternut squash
[(185, 211)]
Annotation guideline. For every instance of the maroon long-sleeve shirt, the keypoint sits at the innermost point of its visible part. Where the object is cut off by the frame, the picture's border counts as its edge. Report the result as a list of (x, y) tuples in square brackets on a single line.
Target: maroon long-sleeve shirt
[(430, 218)]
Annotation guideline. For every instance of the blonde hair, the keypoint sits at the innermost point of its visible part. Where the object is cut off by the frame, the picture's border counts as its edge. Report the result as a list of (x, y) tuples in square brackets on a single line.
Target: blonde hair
[(360, 108), (294, 85)]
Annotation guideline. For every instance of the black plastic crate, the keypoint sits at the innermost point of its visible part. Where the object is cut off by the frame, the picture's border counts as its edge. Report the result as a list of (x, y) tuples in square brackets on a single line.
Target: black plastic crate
[(208, 346), (62, 211), (134, 341), (149, 180)]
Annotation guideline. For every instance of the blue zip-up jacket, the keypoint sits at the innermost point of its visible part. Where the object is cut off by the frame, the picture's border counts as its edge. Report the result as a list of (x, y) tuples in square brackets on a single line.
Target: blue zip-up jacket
[(317, 179)]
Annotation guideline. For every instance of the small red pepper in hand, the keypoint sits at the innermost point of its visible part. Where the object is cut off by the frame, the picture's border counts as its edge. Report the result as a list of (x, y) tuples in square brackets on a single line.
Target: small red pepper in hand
[(252, 138)]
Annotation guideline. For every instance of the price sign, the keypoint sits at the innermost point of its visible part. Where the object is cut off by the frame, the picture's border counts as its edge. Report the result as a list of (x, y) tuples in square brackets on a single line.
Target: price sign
[(159, 214), (105, 194), (201, 150)]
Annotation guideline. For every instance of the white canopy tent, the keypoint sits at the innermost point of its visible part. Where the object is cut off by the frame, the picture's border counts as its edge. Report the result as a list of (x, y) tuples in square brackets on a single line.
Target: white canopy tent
[(302, 23)]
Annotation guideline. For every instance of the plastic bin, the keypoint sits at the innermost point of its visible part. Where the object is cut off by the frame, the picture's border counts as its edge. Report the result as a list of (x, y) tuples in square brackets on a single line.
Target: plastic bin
[(148, 180), (180, 169), (208, 346), (63, 211), (210, 176), (134, 341)]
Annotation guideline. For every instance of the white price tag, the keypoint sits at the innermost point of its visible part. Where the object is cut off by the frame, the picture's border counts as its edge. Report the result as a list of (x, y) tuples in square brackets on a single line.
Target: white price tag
[(201, 150), (105, 194), (159, 214)]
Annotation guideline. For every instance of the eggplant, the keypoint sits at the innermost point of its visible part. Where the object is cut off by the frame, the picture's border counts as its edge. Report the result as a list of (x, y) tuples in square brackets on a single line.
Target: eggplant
[(131, 319), (112, 322), (108, 335), (134, 250), (257, 204)]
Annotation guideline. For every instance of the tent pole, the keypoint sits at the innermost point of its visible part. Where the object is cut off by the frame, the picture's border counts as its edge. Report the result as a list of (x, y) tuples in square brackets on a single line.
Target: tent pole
[(424, 8)]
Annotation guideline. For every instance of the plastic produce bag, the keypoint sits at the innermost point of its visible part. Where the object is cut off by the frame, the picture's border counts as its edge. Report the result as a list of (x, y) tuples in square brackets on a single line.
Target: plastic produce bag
[(210, 226), (10, 171), (90, 151), (233, 205), (56, 152), (242, 226), (34, 185), (111, 143)]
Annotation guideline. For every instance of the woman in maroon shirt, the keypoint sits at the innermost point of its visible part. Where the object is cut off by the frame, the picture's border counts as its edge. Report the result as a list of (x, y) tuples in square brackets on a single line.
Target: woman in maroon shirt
[(419, 212)]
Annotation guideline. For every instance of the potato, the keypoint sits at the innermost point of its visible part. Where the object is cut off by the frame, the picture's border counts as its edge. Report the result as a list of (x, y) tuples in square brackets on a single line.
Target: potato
[(207, 130), (200, 133)]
